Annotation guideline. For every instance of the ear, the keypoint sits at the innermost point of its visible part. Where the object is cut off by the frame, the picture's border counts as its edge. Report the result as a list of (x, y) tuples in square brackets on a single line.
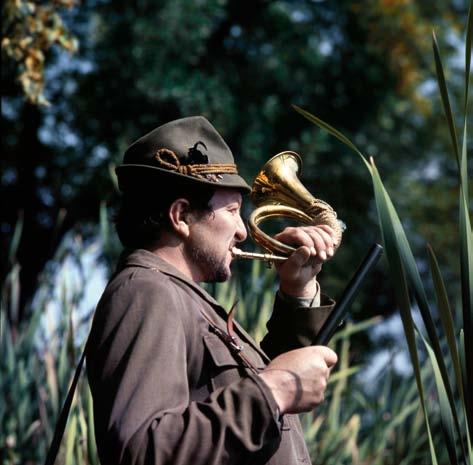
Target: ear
[(179, 217)]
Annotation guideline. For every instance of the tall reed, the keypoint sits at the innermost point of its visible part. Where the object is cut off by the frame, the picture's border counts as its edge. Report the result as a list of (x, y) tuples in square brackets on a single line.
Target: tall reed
[(454, 405), (37, 365)]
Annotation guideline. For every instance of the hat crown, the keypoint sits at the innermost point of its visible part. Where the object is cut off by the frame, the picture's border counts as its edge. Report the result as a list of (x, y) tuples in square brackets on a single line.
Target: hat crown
[(190, 148), (183, 137)]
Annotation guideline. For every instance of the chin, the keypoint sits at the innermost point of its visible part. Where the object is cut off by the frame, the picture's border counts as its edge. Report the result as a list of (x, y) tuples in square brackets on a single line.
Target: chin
[(219, 275), (214, 266)]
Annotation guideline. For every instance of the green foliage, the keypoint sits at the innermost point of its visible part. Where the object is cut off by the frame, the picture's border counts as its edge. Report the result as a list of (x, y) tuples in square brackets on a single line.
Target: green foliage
[(455, 396), (40, 357), (29, 30)]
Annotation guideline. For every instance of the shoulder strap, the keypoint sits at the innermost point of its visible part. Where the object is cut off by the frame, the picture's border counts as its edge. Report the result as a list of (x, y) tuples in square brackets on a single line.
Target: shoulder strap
[(229, 339), (64, 415)]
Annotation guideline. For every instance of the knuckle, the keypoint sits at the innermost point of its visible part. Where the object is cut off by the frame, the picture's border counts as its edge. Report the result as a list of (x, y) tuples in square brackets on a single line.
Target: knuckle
[(325, 372), (290, 229)]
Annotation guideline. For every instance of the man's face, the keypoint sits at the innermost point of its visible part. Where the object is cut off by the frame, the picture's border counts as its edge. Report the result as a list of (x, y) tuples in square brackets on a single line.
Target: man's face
[(213, 235)]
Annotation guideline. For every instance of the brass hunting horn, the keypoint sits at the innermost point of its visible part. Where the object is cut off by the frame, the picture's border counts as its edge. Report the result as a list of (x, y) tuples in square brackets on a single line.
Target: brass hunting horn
[(278, 192)]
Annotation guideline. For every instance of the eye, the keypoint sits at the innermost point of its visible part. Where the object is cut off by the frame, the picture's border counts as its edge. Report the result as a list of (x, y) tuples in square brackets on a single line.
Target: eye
[(234, 210)]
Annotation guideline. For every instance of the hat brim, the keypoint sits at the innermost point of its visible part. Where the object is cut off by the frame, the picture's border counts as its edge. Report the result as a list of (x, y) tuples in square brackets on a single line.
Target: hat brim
[(130, 171)]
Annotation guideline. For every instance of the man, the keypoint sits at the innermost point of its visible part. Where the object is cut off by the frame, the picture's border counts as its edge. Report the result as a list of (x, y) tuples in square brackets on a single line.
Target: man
[(173, 378)]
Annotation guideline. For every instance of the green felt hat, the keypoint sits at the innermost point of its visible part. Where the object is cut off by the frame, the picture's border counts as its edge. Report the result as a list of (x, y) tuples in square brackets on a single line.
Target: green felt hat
[(187, 149)]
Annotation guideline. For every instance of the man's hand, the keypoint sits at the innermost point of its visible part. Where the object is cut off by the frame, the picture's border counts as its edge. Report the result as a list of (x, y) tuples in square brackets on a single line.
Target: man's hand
[(298, 379), (316, 244)]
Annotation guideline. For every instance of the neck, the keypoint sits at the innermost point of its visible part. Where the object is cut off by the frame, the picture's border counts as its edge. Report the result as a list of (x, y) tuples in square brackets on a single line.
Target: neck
[(175, 255)]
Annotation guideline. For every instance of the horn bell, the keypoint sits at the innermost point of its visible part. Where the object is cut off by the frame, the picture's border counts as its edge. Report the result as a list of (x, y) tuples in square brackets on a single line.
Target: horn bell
[(278, 192)]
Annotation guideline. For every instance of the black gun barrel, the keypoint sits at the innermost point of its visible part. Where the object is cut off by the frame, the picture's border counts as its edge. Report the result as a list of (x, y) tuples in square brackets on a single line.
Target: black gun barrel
[(342, 306)]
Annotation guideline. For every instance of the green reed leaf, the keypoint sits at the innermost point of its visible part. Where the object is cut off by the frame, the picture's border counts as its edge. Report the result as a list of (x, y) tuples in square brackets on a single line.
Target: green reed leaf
[(405, 252), (466, 264), (15, 238), (322, 124), (334, 410), (71, 435), (104, 223), (397, 420), (468, 45), (91, 446), (466, 245), (113, 176), (464, 190), (354, 328), (448, 326), (446, 416), (445, 99), (398, 274), (344, 374), (445, 315)]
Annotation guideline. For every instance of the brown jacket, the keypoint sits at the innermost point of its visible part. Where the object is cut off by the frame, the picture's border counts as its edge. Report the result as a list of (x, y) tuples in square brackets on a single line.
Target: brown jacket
[(167, 389)]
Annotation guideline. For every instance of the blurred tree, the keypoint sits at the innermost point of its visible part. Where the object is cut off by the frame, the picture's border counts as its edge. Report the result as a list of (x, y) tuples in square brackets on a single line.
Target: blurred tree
[(29, 30), (362, 66), (30, 33)]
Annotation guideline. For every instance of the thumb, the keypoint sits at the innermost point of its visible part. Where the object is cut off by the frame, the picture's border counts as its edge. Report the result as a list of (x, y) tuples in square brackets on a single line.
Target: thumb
[(328, 354), (300, 257)]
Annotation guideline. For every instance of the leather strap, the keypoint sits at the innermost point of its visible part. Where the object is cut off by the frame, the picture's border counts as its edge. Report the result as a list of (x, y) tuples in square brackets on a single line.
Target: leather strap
[(64, 415)]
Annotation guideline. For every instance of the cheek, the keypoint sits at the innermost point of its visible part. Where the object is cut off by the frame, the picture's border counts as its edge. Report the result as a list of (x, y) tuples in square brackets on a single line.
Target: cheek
[(224, 225)]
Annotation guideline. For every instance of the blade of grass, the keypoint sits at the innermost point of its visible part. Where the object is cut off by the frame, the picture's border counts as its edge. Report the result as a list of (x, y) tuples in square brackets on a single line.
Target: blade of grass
[(353, 328), (464, 166), (445, 316), (446, 418), (113, 176), (405, 252), (322, 124), (70, 441), (91, 446), (461, 350), (104, 223), (445, 99), (448, 325), (397, 420), (468, 45), (15, 238), (334, 411), (466, 242), (344, 374), (11, 296), (466, 264), (398, 274)]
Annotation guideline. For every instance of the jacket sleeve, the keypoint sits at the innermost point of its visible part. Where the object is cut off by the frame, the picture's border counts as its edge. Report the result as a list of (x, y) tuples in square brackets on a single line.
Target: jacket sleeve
[(293, 325), (137, 368)]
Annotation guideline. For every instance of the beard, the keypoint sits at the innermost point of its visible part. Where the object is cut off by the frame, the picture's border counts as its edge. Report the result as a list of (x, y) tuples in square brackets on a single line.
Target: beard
[(213, 268)]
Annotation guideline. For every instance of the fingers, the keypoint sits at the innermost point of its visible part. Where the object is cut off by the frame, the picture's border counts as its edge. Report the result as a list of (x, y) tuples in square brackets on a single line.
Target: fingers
[(298, 379), (319, 239), (301, 256), (328, 355), (323, 244), (330, 232)]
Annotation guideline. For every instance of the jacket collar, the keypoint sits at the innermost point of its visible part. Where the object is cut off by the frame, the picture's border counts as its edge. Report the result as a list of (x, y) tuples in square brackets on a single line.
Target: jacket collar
[(146, 259)]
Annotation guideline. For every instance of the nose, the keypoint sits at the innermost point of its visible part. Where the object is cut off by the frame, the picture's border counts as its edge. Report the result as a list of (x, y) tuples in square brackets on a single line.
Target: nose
[(240, 233)]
